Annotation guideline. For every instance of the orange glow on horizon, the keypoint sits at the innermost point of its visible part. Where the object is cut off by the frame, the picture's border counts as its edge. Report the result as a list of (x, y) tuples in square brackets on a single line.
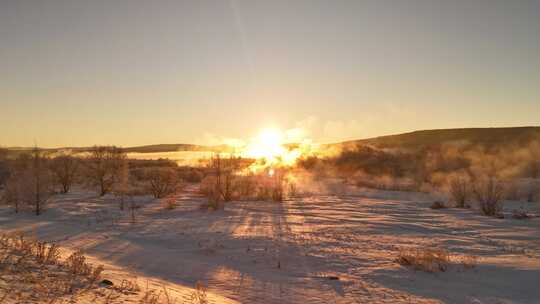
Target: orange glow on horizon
[(270, 146)]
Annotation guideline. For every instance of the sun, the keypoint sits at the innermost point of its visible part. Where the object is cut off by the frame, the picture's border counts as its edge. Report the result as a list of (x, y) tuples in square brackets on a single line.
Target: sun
[(267, 145), (271, 139), (270, 145)]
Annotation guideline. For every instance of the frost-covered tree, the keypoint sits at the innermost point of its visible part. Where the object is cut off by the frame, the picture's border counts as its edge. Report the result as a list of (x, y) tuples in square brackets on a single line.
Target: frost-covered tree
[(64, 169), (162, 181), (30, 182), (104, 165)]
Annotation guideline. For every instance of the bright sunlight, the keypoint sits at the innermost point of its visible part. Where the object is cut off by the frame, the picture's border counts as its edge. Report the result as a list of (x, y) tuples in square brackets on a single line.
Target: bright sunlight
[(270, 146)]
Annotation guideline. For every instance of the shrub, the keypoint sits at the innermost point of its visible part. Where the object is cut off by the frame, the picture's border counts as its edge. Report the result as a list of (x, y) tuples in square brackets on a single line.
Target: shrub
[(264, 193), (459, 191), (95, 274), (437, 205), (489, 194), (47, 254), (225, 171), (292, 189), (278, 189), (207, 185), (213, 204), (76, 263), (190, 174), (245, 186), (162, 182)]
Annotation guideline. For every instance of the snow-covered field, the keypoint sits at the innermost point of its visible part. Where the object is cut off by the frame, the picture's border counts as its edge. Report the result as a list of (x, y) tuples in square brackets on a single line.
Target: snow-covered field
[(314, 249)]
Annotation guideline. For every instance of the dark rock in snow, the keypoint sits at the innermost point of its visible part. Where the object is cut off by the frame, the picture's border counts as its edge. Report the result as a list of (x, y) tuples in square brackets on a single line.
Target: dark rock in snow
[(106, 282)]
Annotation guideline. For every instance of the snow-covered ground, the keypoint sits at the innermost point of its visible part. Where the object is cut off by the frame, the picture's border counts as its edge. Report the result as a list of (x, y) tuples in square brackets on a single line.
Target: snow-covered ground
[(267, 252)]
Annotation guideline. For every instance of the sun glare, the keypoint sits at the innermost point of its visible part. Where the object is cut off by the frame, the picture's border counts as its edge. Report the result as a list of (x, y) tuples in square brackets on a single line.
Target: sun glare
[(271, 146), (271, 138), (267, 145)]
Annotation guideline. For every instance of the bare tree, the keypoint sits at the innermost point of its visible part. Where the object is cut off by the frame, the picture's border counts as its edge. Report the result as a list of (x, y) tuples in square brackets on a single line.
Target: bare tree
[(162, 182), (42, 182), (121, 185), (30, 182), (224, 171), (4, 169), (11, 192), (64, 169), (98, 172), (229, 175), (104, 167), (217, 169)]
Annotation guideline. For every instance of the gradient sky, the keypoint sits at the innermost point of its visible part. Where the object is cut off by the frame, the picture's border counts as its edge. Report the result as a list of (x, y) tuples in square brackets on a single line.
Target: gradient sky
[(138, 72)]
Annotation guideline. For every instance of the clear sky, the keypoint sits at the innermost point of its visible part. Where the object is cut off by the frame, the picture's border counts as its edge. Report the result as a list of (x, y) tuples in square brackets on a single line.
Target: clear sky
[(138, 72)]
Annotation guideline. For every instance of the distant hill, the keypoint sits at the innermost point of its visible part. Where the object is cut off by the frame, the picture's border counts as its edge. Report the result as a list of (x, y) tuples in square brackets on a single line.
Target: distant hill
[(484, 136), (138, 149), (177, 147), (414, 140)]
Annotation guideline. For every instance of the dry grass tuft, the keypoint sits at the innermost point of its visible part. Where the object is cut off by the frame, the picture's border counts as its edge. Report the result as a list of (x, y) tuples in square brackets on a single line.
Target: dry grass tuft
[(151, 296), (128, 286), (425, 259), (167, 296), (199, 294), (468, 261), (76, 263), (47, 254), (31, 270), (433, 259)]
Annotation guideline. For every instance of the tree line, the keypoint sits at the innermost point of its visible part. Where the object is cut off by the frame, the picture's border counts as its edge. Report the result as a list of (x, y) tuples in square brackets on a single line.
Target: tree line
[(31, 179)]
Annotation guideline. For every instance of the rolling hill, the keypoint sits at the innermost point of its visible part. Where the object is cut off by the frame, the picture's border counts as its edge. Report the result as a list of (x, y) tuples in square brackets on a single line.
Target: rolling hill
[(413, 140), (484, 136)]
